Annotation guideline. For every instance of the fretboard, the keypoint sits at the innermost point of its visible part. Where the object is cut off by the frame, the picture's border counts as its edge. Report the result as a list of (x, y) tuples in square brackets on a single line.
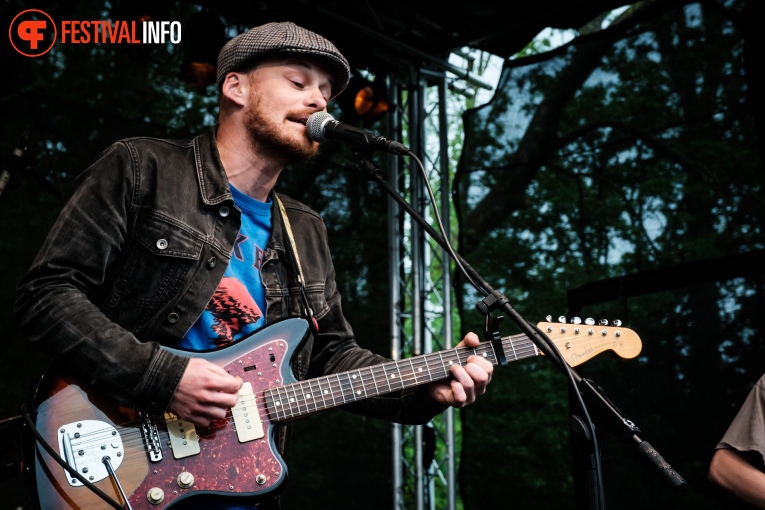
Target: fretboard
[(305, 397)]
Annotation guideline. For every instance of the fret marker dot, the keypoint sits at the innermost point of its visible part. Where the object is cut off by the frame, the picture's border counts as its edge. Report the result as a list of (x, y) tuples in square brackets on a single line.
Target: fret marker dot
[(451, 362), (278, 403), (419, 369), (392, 376), (308, 396), (484, 354), (326, 392), (292, 400), (358, 392), (354, 376)]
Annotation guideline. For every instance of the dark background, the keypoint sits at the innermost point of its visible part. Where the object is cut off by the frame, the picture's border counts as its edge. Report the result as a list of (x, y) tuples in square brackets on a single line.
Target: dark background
[(617, 177)]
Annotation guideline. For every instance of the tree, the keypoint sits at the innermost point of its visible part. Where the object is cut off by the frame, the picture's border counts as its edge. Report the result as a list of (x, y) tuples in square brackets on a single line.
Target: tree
[(626, 151)]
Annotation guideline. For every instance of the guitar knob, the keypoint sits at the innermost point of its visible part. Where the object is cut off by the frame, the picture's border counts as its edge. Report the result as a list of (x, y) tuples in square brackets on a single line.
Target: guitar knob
[(185, 480), (155, 495), (260, 479)]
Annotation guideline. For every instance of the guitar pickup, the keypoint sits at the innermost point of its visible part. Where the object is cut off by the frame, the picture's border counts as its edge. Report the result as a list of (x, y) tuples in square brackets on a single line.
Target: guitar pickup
[(246, 415), (183, 436)]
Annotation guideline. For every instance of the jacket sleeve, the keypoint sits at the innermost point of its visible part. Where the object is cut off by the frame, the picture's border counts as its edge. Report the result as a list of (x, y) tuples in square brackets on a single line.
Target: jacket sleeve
[(55, 301), (335, 350)]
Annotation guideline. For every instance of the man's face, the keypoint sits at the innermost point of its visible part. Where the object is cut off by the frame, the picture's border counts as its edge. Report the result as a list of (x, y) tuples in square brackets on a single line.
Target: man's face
[(283, 94)]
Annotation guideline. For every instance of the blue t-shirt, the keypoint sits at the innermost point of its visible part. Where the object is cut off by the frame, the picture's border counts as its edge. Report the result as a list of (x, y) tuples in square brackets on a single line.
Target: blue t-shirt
[(238, 305)]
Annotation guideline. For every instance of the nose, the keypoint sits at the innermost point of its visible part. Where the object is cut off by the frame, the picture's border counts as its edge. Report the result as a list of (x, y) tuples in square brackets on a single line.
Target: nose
[(315, 99)]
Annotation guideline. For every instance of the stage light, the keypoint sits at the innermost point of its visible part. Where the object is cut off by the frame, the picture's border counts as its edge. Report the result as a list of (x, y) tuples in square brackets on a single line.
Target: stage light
[(364, 100), (203, 37)]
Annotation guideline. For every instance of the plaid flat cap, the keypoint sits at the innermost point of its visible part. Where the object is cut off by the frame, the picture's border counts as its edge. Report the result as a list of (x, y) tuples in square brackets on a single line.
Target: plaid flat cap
[(282, 38)]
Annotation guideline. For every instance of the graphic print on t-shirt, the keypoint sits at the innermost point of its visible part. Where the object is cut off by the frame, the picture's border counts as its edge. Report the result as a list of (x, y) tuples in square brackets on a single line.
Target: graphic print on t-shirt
[(238, 306), (232, 309)]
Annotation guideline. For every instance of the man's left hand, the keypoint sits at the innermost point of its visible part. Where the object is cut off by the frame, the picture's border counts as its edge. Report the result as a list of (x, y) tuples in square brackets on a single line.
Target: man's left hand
[(465, 383)]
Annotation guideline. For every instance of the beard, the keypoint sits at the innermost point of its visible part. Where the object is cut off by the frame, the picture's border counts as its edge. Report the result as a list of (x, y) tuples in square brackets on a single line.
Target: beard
[(269, 138)]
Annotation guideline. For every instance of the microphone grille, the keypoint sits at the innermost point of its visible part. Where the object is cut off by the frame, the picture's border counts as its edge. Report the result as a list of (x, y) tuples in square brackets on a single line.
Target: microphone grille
[(315, 125)]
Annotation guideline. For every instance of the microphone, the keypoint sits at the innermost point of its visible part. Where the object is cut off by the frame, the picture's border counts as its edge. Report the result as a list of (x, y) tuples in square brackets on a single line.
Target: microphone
[(323, 127)]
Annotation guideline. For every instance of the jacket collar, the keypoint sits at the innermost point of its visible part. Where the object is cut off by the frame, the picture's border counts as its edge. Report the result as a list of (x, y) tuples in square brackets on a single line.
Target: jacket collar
[(213, 183)]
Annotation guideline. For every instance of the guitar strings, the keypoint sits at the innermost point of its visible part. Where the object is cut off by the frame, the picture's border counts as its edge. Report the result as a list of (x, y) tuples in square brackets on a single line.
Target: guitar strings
[(338, 392)]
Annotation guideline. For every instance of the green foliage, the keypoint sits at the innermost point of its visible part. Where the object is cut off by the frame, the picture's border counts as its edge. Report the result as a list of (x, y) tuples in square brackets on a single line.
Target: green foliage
[(624, 152)]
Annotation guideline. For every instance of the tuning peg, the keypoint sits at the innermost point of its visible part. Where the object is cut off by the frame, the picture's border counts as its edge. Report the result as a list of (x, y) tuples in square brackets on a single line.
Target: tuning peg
[(576, 320), (603, 322), (548, 318), (617, 323), (562, 319), (589, 321)]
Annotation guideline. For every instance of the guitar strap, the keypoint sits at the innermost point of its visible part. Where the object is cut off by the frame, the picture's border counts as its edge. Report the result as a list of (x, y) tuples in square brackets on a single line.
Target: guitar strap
[(296, 267)]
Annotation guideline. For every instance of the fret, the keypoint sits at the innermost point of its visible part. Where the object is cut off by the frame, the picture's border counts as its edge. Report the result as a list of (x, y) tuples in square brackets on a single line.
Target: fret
[(414, 372), (387, 377), (443, 366), (295, 399), (427, 365), (489, 353), (374, 378), (331, 390), (271, 410), (309, 397), (494, 353), (400, 377), (325, 392), (342, 389), (284, 401), (447, 364), (320, 393), (356, 391), (318, 398), (405, 380), (439, 371), (475, 353), (512, 344)]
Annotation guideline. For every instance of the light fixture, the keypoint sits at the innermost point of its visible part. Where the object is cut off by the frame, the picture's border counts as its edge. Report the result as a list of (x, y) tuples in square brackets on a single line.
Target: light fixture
[(364, 100), (204, 36)]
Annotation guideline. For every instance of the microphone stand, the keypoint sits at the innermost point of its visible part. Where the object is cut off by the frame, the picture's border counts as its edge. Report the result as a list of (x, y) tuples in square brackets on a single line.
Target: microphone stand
[(622, 427)]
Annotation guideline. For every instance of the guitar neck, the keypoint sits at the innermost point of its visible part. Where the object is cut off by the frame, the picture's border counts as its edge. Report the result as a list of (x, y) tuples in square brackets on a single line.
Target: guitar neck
[(305, 397)]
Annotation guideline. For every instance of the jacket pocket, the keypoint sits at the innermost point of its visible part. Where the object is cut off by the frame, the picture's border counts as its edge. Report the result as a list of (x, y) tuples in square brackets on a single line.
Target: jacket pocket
[(160, 261), (166, 237)]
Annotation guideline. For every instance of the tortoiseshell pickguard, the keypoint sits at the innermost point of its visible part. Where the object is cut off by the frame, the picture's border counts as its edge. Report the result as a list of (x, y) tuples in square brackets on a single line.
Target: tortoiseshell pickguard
[(225, 467)]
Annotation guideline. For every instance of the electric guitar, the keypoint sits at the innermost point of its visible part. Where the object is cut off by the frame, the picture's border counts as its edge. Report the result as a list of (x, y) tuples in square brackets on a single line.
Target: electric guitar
[(144, 461)]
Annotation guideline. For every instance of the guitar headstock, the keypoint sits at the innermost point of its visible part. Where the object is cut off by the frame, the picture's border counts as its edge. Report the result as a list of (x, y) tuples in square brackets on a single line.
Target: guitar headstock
[(581, 342)]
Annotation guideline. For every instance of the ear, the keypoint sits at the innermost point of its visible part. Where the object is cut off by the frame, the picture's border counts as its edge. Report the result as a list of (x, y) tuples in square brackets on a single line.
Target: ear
[(235, 88)]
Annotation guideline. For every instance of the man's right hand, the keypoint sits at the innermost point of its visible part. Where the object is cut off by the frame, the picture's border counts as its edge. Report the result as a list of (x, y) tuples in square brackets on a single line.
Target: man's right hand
[(206, 392)]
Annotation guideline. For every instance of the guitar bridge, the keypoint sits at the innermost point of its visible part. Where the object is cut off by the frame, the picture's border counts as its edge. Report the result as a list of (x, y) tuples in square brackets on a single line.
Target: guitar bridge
[(150, 438)]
